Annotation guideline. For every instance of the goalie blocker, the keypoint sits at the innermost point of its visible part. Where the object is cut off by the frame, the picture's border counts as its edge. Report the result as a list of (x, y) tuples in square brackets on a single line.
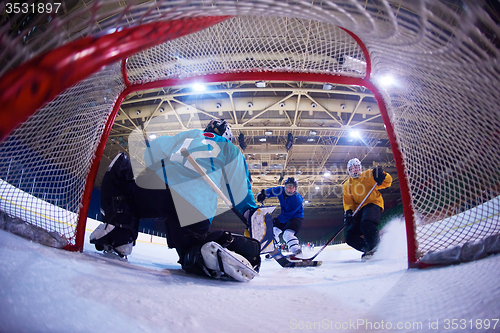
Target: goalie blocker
[(218, 254)]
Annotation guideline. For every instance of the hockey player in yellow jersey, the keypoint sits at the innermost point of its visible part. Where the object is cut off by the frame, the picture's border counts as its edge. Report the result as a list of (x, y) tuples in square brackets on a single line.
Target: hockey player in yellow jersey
[(362, 229)]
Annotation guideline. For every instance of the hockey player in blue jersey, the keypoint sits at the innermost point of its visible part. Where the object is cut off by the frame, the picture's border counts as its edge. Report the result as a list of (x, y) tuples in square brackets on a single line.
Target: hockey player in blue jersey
[(289, 221), (169, 189)]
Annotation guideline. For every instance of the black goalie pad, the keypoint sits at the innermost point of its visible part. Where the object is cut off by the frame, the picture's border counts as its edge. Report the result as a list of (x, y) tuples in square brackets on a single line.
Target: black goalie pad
[(249, 248)]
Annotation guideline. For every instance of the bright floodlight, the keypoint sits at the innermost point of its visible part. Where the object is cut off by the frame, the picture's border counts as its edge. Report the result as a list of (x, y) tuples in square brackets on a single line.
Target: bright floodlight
[(355, 134), (199, 87), (387, 80)]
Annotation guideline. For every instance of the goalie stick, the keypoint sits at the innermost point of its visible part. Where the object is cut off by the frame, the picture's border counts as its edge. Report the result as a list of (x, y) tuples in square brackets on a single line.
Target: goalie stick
[(276, 253), (340, 230)]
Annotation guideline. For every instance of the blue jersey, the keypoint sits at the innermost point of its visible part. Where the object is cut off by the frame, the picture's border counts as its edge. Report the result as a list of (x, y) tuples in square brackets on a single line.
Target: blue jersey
[(221, 160), (291, 206)]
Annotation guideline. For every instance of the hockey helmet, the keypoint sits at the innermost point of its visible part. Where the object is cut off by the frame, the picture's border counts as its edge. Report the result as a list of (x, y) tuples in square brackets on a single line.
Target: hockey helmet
[(291, 181), (354, 167), (220, 127)]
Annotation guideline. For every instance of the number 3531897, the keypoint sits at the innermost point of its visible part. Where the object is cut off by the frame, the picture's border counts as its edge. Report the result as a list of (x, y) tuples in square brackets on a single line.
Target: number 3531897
[(35, 8), (474, 324)]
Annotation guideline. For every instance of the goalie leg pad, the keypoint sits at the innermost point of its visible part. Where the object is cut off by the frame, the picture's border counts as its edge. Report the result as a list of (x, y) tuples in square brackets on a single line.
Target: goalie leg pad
[(237, 250), (248, 248), (261, 225), (117, 206), (221, 261)]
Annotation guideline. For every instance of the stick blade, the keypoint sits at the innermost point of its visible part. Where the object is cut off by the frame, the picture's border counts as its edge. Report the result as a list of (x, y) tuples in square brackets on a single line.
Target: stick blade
[(306, 263)]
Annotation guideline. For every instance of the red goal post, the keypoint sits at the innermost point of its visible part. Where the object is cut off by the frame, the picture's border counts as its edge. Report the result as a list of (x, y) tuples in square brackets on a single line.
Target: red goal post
[(67, 98)]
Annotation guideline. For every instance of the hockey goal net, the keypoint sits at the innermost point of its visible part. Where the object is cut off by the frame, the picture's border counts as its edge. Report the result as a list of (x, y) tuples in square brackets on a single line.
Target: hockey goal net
[(64, 75)]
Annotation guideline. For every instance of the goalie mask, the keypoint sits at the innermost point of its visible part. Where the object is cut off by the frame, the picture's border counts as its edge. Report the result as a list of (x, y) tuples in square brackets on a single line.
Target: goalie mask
[(354, 168), (220, 127)]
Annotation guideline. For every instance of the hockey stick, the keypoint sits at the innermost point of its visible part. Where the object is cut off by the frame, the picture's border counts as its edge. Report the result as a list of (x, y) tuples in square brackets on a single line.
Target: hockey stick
[(343, 227), (214, 187)]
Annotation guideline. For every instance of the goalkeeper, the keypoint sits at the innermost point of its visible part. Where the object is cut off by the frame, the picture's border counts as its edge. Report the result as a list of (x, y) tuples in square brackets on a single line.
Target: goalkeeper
[(169, 190)]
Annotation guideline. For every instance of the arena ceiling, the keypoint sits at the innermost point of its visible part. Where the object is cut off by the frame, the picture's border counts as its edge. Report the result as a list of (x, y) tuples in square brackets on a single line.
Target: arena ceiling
[(330, 124)]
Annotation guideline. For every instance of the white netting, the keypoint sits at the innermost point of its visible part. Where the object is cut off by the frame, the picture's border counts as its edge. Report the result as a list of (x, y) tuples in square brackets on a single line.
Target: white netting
[(45, 162), (252, 43), (444, 56)]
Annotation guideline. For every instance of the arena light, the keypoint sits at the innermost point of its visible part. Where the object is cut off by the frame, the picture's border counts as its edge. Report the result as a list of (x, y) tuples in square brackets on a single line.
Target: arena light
[(355, 134), (198, 87), (386, 80)]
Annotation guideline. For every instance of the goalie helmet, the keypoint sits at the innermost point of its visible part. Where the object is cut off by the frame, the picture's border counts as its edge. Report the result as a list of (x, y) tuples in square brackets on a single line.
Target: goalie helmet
[(354, 167), (220, 127)]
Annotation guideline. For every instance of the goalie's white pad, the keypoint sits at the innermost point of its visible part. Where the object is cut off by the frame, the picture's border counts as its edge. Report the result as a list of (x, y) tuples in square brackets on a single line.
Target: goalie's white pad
[(124, 250), (101, 231), (261, 223), (233, 264)]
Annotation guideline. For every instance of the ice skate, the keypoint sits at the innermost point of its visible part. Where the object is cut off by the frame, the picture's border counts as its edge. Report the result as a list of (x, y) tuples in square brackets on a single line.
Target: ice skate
[(367, 255)]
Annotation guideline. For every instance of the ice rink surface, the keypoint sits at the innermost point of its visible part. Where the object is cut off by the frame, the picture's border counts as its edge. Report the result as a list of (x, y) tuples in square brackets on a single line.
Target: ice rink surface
[(49, 290)]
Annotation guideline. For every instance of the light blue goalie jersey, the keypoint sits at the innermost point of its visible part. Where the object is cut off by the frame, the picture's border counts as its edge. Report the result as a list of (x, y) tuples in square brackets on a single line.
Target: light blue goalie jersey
[(221, 160)]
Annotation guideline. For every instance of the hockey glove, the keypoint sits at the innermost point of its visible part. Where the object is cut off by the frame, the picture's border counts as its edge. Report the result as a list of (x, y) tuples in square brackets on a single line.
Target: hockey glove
[(261, 196), (348, 217), (378, 175)]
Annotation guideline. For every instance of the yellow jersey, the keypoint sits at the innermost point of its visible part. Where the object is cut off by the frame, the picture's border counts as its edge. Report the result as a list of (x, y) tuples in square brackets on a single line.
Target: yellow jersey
[(356, 189)]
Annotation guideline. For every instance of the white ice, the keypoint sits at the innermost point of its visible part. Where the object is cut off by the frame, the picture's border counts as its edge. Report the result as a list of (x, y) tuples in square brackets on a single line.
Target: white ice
[(50, 290)]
